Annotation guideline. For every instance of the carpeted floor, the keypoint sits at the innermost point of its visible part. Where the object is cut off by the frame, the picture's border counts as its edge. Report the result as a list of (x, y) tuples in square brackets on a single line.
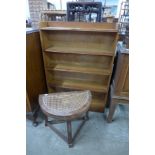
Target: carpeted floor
[(97, 137)]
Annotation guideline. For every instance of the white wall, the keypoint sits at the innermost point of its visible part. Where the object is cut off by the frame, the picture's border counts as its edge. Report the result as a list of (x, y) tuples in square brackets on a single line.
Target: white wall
[(27, 10)]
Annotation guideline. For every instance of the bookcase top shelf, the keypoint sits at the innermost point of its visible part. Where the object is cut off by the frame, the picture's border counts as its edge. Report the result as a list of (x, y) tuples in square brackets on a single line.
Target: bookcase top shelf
[(78, 29), (78, 26)]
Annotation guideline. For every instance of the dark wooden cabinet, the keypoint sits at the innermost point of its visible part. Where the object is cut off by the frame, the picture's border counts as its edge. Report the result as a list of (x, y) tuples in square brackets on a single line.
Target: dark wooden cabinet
[(119, 92), (83, 11), (35, 76), (121, 79)]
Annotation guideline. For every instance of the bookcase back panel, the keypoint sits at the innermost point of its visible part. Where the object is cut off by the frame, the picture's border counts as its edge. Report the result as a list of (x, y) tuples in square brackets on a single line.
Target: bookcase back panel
[(86, 78), (102, 62), (105, 40)]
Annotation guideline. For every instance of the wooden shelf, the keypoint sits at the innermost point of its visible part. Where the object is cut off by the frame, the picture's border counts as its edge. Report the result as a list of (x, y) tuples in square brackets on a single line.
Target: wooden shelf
[(79, 69), (80, 50), (77, 29), (78, 26), (79, 85)]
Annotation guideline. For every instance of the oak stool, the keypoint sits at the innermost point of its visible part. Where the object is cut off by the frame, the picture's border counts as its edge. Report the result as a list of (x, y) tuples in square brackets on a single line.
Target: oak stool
[(66, 107)]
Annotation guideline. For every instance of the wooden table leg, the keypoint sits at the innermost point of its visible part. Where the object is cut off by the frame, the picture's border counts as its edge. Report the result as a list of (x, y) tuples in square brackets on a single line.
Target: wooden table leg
[(69, 132), (111, 111)]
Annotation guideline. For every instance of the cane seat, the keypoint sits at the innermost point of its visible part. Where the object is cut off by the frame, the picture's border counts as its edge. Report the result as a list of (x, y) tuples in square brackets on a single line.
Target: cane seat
[(65, 104)]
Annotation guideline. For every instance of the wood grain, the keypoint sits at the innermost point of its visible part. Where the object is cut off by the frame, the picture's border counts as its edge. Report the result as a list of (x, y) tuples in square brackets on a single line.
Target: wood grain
[(78, 60), (78, 85), (79, 69), (35, 76)]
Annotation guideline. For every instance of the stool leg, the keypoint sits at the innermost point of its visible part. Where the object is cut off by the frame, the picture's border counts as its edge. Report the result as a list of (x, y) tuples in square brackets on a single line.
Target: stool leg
[(46, 120), (69, 132), (87, 116), (35, 115)]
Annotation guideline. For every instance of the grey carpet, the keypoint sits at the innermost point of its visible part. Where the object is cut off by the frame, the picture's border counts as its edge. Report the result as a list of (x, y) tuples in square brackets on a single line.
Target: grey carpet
[(97, 137)]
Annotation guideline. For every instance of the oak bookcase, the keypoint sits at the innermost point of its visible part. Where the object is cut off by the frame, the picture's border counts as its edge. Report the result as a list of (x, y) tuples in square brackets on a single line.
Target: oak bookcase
[(79, 56)]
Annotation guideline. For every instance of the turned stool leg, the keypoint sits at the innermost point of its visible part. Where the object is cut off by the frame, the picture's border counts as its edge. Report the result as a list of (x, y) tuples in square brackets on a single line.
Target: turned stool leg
[(35, 115), (111, 111), (46, 120), (69, 132)]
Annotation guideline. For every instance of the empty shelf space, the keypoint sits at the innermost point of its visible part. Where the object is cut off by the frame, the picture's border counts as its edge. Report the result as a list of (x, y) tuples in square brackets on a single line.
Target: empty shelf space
[(80, 50), (79, 85), (97, 105), (79, 69)]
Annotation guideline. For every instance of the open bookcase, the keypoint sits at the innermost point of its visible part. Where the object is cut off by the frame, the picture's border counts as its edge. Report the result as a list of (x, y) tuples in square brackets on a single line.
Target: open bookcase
[(79, 56)]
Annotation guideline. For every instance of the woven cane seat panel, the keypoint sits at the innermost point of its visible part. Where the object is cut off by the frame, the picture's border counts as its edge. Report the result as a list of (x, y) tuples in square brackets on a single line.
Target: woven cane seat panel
[(66, 103)]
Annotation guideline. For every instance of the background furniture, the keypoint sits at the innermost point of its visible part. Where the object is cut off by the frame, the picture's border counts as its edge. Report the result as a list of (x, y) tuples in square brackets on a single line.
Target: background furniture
[(51, 6), (119, 92), (78, 11), (66, 107), (109, 10), (35, 76), (53, 15), (79, 56), (123, 23)]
